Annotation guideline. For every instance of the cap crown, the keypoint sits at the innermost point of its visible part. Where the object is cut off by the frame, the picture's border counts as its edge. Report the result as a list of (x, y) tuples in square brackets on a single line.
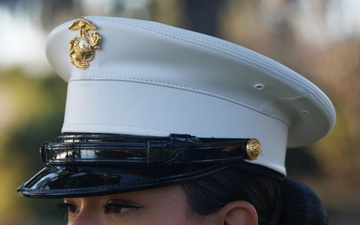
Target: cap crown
[(148, 78)]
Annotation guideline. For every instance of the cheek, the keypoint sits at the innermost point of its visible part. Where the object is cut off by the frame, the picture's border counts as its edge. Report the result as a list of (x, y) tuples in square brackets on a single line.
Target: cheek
[(169, 218), (171, 213)]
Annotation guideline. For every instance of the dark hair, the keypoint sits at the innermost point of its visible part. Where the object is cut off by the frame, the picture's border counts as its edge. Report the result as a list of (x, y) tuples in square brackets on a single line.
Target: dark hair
[(301, 205), (277, 202)]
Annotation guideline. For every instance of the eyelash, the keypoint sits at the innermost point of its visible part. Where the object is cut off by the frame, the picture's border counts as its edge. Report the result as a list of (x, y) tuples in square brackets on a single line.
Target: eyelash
[(68, 208), (119, 208), (109, 208)]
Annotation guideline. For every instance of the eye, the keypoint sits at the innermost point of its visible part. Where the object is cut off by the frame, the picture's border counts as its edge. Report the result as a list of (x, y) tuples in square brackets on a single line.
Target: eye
[(68, 207), (119, 207)]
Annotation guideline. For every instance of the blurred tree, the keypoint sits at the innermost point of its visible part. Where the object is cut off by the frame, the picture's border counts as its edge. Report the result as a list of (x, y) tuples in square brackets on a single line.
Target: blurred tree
[(203, 16), (34, 113)]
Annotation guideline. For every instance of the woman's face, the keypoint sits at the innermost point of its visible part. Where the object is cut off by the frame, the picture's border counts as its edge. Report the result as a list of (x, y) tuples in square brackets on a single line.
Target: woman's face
[(160, 206)]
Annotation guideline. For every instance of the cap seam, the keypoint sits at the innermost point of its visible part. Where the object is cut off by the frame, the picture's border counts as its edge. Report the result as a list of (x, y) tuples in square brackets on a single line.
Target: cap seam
[(120, 125)]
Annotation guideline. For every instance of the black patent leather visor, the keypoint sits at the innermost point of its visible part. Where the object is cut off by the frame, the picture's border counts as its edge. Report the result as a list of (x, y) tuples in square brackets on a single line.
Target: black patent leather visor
[(82, 165)]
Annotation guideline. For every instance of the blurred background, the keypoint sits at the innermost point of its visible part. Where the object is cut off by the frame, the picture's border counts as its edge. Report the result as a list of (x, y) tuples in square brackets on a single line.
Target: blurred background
[(319, 39)]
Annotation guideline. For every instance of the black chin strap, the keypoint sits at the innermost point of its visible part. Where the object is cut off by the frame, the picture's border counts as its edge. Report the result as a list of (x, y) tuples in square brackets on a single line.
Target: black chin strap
[(147, 151)]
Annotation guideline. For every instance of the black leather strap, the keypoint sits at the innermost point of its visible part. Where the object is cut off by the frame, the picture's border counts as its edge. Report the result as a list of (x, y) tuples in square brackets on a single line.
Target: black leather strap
[(142, 150)]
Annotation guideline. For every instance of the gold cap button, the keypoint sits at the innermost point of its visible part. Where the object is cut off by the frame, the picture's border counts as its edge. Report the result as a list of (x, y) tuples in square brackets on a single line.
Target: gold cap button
[(253, 149)]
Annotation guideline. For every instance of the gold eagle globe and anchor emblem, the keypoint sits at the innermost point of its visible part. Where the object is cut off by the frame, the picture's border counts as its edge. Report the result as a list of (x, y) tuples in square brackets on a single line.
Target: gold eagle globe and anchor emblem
[(82, 49)]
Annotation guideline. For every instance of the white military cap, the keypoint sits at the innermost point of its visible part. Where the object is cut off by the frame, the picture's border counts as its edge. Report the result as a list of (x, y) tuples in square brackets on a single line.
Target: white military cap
[(144, 78)]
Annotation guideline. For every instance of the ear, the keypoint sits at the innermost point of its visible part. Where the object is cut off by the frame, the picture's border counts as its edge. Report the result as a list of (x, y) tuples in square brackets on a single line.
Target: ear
[(238, 213)]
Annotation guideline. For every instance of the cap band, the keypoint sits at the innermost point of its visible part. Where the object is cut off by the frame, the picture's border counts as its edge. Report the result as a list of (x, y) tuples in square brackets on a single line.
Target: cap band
[(146, 151)]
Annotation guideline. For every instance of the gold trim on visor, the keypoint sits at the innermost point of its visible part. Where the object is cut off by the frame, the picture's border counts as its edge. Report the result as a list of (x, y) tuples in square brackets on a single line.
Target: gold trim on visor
[(82, 49), (253, 149)]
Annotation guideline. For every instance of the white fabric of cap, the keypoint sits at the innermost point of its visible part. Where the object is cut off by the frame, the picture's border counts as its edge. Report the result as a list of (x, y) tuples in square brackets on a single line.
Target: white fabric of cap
[(153, 79)]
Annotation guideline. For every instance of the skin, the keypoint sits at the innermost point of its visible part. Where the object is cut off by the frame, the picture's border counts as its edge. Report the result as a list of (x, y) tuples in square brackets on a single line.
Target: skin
[(160, 206)]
